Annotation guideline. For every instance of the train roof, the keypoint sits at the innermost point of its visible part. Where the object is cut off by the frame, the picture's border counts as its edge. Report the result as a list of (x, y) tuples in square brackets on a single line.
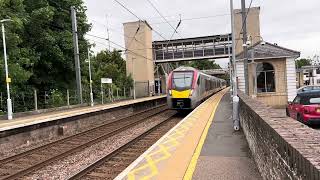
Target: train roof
[(187, 68)]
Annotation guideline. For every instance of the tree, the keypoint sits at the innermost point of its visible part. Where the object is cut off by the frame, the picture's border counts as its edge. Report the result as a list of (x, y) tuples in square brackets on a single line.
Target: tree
[(205, 64), (303, 62), (20, 58), (39, 42), (49, 32), (110, 65)]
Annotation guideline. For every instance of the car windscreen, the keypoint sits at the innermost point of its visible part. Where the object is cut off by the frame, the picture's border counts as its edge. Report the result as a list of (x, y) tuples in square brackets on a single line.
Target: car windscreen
[(182, 80), (309, 100)]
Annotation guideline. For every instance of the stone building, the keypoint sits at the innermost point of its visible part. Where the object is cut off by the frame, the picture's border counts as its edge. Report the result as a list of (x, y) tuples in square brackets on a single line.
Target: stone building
[(272, 74)]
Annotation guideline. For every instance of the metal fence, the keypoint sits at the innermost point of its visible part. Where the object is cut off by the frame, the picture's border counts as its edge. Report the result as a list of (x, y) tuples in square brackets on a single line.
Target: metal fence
[(36, 100)]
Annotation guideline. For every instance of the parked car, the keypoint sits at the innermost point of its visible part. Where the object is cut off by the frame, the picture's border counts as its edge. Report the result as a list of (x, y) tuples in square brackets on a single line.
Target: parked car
[(305, 107), (308, 88)]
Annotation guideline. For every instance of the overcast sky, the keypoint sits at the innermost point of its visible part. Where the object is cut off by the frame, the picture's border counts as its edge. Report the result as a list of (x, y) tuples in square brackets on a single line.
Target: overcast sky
[(294, 24)]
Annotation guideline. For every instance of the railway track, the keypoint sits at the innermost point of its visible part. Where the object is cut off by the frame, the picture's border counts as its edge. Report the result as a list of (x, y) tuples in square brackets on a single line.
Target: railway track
[(111, 165), (27, 162)]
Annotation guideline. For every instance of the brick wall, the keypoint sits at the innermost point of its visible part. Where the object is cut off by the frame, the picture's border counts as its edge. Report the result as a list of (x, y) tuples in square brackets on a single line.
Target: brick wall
[(283, 148)]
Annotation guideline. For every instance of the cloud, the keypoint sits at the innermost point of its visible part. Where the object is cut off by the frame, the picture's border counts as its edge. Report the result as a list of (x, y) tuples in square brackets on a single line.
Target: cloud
[(290, 23)]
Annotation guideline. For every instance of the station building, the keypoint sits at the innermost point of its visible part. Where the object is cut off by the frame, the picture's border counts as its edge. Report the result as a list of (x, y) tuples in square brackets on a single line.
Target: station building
[(273, 71), (271, 68)]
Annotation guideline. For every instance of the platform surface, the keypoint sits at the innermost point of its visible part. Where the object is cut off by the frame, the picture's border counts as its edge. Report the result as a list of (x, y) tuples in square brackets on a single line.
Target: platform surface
[(225, 153), (196, 148), (55, 115)]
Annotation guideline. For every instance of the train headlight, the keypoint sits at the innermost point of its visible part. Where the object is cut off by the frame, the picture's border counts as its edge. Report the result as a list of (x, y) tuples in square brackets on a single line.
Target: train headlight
[(191, 92), (170, 92)]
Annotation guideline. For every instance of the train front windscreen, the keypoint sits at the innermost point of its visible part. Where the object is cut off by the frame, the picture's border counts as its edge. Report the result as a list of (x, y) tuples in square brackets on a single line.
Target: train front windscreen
[(182, 80)]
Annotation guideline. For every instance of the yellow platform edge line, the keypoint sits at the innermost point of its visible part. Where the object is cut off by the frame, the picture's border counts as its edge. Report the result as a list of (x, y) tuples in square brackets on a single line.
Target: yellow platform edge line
[(192, 165)]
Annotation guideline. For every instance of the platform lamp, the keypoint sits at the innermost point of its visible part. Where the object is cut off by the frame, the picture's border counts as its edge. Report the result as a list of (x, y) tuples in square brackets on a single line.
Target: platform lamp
[(8, 80), (248, 43)]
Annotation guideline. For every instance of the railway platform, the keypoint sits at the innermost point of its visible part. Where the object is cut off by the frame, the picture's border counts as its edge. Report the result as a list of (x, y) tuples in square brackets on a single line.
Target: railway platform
[(202, 146), (30, 120)]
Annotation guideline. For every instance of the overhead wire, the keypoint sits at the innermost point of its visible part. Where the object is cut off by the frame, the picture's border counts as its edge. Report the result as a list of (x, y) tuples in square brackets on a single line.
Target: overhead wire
[(102, 44), (195, 18), (174, 29), (121, 33), (134, 36), (106, 39), (159, 34), (173, 33), (244, 20)]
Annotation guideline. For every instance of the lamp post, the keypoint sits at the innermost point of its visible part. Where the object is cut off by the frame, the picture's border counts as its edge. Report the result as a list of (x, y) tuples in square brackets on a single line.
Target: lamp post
[(254, 73), (8, 80), (90, 78)]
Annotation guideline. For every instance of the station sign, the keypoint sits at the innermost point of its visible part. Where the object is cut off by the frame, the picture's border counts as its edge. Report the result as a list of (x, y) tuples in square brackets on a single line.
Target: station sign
[(106, 81)]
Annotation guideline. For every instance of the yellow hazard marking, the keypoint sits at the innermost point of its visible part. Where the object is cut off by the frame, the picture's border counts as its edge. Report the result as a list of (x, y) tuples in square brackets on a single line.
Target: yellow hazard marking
[(194, 159), (164, 148), (181, 94)]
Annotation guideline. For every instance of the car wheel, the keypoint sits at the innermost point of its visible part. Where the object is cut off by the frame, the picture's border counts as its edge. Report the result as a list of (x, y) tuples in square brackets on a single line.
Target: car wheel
[(287, 112)]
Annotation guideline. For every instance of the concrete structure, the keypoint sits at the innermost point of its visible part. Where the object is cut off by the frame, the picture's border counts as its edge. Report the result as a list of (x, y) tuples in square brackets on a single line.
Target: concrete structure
[(283, 72), (138, 43), (253, 26), (282, 147)]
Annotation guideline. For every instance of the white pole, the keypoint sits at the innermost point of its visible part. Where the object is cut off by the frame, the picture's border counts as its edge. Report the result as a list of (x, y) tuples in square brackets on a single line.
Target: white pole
[(117, 93), (101, 93), (90, 78), (8, 80), (68, 98), (35, 100)]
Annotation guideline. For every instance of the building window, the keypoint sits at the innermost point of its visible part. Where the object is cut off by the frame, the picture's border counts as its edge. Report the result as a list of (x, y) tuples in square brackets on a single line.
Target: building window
[(265, 78)]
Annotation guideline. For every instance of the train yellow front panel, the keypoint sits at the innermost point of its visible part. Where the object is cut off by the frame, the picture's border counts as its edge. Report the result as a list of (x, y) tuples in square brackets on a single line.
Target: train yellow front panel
[(181, 94)]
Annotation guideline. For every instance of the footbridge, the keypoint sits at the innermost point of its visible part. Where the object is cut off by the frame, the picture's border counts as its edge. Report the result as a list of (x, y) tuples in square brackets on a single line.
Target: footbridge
[(189, 49)]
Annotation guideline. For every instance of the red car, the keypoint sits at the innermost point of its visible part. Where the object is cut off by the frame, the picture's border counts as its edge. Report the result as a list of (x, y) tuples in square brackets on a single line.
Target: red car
[(305, 107)]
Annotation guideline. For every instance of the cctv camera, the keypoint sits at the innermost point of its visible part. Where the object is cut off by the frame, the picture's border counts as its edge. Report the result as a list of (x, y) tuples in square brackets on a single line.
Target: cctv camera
[(248, 43), (263, 43)]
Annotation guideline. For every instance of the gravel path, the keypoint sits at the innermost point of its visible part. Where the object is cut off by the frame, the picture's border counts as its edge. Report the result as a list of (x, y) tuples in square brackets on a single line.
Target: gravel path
[(71, 165)]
